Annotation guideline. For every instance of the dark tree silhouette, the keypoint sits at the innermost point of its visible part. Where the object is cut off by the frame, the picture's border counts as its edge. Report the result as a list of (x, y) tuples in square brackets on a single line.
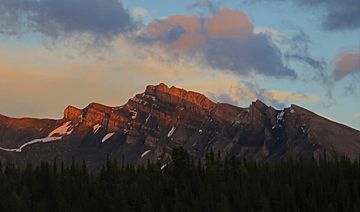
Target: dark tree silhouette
[(213, 184)]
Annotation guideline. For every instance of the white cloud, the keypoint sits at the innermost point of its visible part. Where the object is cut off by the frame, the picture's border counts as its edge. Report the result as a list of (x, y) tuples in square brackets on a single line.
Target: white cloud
[(139, 12)]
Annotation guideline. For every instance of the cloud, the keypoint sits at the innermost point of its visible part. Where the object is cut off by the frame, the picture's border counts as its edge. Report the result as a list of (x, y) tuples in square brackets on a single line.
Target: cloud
[(207, 5), (234, 91), (102, 19), (227, 89), (284, 96), (296, 51), (140, 12), (346, 64), (299, 50), (281, 99), (356, 115), (241, 93), (223, 43), (337, 14)]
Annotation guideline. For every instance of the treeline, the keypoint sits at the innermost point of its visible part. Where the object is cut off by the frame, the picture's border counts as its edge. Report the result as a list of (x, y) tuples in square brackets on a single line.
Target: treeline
[(184, 185)]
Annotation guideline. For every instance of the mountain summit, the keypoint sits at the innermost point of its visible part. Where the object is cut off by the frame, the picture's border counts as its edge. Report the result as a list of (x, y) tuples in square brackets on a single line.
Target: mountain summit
[(160, 119)]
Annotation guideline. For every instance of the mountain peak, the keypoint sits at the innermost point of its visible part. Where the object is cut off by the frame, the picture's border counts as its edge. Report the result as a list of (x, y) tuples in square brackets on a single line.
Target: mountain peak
[(260, 105), (178, 96), (72, 112)]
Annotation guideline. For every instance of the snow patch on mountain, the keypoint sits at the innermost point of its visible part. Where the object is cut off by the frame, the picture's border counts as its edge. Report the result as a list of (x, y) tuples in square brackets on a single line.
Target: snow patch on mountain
[(139, 101), (163, 166), (64, 129), (280, 116), (171, 132), (133, 114), (147, 119), (117, 108), (39, 140), (56, 134), (145, 153), (107, 137), (96, 128)]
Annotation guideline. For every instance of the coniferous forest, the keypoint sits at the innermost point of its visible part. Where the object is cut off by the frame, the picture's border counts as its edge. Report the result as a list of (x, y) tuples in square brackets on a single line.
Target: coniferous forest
[(184, 185)]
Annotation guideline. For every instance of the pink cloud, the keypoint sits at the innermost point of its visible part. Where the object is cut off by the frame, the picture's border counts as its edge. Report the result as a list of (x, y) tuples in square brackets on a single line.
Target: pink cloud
[(356, 115), (225, 40), (346, 64), (228, 23), (192, 36)]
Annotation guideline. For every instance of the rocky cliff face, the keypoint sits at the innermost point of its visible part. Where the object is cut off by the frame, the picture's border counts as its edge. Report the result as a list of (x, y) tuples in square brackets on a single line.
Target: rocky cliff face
[(154, 122)]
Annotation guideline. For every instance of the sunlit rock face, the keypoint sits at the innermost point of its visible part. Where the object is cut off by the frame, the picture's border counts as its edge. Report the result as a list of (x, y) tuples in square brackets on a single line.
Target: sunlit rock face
[(176, 96), (162, 118), (72, 113)]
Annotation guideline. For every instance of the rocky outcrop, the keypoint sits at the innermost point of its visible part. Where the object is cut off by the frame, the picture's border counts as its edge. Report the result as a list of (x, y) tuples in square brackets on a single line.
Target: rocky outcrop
[(72, 112), (190, 100)]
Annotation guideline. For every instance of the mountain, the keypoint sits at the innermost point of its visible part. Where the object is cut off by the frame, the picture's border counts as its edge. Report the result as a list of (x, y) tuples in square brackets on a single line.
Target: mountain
[(156, 121)]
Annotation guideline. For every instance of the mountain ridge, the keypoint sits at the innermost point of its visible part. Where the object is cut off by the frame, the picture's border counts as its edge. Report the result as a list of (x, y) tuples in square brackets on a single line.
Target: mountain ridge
[(163, 118)]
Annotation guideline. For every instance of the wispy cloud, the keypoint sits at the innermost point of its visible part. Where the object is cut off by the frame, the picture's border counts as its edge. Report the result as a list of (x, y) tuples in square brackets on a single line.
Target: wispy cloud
[(299, 51), (285, 96), (242, 93), (356, 115), (335, 14), (208, 5), (296, 50)]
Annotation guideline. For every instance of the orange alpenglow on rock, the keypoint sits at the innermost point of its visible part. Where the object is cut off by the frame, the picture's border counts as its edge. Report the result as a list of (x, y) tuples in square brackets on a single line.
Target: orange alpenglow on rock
[(178, 96)]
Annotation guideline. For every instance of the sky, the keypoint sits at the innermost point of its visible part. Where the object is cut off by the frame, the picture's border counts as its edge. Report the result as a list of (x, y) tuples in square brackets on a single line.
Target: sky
[(73, 52)]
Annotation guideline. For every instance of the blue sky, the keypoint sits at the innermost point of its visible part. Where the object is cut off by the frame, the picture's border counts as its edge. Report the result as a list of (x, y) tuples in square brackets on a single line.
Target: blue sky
[(56, 53)]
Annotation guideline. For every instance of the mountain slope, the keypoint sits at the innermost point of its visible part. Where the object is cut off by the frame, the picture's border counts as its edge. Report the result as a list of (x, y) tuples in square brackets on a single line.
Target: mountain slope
[(152, 123)]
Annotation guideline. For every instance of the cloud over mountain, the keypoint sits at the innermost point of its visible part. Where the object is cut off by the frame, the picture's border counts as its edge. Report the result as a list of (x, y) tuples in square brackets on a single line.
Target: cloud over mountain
[(222, 42)]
